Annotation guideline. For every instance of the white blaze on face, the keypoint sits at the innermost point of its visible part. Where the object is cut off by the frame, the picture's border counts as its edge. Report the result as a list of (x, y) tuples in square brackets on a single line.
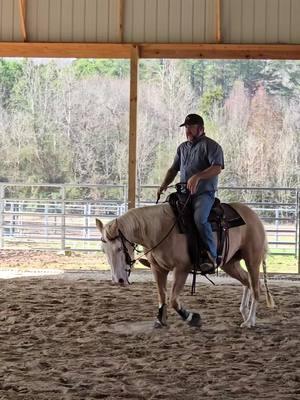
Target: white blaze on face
[(116, 259)]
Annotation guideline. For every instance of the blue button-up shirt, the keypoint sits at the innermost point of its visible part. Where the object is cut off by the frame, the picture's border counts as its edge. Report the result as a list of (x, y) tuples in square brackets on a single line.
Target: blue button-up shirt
[(193, 157)]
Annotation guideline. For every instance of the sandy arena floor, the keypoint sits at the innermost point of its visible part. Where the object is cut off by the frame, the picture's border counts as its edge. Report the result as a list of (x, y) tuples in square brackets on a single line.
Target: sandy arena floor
[(76, 336)]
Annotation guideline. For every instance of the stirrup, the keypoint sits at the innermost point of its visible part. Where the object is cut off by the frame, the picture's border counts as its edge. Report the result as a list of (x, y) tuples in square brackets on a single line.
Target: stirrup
[(207, 268)]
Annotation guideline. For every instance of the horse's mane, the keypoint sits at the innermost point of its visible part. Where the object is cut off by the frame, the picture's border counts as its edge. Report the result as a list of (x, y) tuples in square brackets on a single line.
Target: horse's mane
[(140, 219)]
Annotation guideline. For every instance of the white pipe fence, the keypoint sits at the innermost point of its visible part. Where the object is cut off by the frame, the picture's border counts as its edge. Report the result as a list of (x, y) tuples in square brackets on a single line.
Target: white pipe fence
[(60, 217)]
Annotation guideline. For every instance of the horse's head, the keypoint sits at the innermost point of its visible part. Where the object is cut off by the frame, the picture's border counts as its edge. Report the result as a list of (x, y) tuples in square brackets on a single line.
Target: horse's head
[(118, 253)]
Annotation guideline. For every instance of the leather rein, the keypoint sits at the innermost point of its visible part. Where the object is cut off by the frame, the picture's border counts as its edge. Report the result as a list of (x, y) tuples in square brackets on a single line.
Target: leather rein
[(129, 261)]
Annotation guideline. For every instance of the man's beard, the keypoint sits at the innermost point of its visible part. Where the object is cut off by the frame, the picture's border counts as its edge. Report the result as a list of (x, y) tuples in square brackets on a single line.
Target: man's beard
[(192, 137)]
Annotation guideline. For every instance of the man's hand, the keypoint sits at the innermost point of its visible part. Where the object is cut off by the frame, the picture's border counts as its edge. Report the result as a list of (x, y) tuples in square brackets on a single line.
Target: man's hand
[(170, 176), (161, 189), (192, 183)]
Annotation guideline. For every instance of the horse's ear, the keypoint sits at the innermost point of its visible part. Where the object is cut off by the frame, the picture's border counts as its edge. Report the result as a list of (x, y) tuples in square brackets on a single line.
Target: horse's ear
[(145, 262), (99, 225), (112, 229)]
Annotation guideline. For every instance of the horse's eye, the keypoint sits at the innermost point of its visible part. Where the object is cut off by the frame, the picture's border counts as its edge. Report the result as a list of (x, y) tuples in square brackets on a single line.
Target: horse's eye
[(119, 249)]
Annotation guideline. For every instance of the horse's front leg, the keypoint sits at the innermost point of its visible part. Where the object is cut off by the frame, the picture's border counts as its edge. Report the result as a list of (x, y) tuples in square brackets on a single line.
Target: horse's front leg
[(160, 277), (193, 319)]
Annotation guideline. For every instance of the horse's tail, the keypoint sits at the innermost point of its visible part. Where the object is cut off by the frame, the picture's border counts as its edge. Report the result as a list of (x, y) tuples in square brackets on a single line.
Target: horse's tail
[(269, 297)]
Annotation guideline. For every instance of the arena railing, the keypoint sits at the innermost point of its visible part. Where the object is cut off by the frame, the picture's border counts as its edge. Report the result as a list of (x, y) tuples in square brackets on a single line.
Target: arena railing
[(62, 216)]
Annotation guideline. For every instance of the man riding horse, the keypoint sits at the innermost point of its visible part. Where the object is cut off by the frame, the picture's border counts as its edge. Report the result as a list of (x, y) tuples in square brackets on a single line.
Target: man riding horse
[(200, 161), (158, 230)]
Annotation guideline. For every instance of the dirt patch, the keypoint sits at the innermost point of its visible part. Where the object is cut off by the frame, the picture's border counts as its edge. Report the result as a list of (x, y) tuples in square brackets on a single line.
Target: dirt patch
[(30, 260)]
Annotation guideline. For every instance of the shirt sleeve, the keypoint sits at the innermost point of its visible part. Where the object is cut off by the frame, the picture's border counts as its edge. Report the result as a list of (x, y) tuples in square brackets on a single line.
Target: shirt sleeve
[(176, 162), (215, 155)]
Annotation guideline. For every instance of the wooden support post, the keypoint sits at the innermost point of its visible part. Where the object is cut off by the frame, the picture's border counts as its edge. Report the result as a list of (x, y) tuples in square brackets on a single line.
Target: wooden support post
[(134, 69), (22, 18), (218, 21), (120, 20)]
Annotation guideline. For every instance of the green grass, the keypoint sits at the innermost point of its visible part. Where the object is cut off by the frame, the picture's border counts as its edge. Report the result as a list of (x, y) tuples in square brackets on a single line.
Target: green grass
[(282, 264)]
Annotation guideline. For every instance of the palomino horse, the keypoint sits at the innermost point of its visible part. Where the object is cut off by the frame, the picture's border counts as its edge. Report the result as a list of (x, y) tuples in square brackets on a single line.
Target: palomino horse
[(154, 227)]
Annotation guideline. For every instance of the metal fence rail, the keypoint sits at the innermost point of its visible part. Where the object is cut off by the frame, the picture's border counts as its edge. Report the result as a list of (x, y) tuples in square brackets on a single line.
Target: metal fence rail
[(57, 217)]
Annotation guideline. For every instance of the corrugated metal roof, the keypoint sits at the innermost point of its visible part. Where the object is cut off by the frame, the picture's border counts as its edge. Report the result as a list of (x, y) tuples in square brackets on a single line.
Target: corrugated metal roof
[(153, 21), (261, 21), (9, 21)]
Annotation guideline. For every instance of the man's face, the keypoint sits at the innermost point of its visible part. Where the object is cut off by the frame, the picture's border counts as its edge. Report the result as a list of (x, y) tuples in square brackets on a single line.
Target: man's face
[(193, 131)]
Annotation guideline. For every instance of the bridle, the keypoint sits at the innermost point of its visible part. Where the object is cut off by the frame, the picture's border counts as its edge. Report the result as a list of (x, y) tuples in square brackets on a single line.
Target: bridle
[(129, 261)]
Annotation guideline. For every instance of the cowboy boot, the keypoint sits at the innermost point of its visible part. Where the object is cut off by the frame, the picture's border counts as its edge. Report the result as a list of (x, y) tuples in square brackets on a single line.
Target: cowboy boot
[(209, 266)]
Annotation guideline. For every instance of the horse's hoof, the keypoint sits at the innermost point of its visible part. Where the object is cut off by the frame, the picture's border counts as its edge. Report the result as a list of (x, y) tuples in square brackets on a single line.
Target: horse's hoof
[(196, 320), (159, 325), (246, 324)]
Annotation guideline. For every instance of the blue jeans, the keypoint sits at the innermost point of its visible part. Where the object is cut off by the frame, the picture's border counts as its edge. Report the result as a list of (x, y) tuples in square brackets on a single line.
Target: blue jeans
[(202, 204)]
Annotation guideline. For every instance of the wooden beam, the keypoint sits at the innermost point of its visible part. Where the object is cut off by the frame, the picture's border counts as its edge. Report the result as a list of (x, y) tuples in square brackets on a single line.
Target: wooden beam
[(65, 50), (154, 50), (120, 20), (218, 21), (221, 51), (134, 69), (22, 18)]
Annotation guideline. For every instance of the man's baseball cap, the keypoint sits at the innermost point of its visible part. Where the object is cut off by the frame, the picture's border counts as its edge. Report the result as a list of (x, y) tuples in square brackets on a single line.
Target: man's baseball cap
[(193, 119)]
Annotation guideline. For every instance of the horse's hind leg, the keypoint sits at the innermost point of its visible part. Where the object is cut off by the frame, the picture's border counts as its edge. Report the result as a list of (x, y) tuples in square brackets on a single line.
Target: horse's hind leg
[(160, 277), (179, 280), (235, 270), (253, 265), (244, 306)]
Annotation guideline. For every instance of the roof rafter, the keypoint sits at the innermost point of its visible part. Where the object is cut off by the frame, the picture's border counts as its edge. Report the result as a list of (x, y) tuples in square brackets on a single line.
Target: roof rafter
[(22, 18), (120, 20), (218, 21)]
